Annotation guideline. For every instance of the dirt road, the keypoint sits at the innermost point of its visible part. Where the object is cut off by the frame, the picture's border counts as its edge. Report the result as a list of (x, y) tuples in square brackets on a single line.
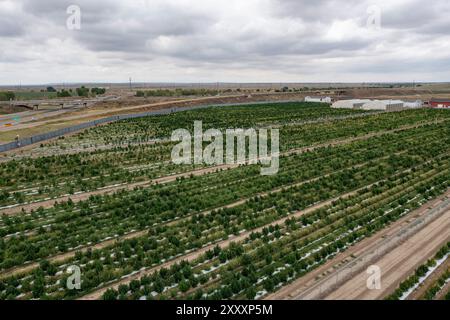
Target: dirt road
[(398, 264)]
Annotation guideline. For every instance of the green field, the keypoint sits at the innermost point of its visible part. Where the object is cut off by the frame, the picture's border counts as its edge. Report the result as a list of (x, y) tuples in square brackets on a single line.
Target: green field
[(34, 95), (390, 162)]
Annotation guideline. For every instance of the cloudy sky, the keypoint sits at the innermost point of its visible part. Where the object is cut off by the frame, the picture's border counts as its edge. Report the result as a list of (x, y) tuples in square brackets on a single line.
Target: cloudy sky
[(229, 40)]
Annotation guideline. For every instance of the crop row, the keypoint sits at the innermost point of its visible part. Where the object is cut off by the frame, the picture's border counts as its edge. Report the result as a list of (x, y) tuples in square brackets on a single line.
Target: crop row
[(279, 254), (69, 225), (420, 272), (47, 177), (153, 252)]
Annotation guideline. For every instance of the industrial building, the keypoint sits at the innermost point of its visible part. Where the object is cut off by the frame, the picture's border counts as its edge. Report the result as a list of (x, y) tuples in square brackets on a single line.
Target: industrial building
[(383, 105), (349, 104), (318, 99), (413, 104), (440, 103)]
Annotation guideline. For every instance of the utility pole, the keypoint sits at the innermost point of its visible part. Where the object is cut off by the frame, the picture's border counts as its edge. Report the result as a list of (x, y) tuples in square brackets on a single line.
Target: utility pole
[(130, 84)]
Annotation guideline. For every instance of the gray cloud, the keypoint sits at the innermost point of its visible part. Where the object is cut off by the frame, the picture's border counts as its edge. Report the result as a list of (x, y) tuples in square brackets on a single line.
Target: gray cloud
[(205, 40)]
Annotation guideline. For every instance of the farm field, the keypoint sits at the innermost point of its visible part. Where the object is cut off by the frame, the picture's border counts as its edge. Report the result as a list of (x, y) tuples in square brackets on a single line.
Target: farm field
[(110, 201)]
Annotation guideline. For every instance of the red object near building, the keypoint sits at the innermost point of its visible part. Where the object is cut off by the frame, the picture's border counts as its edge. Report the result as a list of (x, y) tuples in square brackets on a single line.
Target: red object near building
[(440, 103)]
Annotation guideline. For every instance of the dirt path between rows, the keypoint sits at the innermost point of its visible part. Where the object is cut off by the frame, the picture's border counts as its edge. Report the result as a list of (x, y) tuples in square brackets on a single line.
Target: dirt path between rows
[(109, 190), (441, 294), (398, 264), (308, 281)]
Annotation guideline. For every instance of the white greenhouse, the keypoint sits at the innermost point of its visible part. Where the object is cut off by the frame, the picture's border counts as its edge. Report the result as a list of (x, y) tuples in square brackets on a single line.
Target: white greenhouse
[(413, 104), (349, 104), (386, 105)]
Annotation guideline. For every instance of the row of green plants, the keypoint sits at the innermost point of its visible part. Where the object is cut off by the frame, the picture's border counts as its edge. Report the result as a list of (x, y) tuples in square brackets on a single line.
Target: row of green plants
[(117, 261), (34, 179), (278, 254), (285, 115), (105, 216), (431, 292)]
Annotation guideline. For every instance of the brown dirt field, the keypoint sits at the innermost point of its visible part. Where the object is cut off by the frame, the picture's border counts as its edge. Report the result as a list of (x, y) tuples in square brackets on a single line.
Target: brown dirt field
[(309, 280)]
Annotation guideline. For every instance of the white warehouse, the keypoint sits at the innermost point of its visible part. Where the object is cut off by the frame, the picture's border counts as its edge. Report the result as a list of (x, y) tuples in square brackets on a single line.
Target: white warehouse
[(349, 104), (413, 104), (386, 105), (318, 99)]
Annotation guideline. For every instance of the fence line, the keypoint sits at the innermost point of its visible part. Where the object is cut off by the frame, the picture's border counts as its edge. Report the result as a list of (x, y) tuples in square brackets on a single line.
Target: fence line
[(61, 132)]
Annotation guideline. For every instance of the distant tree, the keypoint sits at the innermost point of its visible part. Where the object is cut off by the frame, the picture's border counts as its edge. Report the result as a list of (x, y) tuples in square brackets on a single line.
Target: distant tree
[(98, 91), (6, 96), (82, 91), (63, 94), (51, 89)]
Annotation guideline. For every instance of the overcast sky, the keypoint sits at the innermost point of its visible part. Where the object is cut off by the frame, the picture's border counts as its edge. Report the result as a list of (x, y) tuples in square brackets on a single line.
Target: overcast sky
[(227, 41)]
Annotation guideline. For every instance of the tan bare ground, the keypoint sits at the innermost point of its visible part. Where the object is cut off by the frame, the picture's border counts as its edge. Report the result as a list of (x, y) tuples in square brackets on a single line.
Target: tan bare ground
[(399, 263), (108, 190), (430, 281), (310, 279)]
